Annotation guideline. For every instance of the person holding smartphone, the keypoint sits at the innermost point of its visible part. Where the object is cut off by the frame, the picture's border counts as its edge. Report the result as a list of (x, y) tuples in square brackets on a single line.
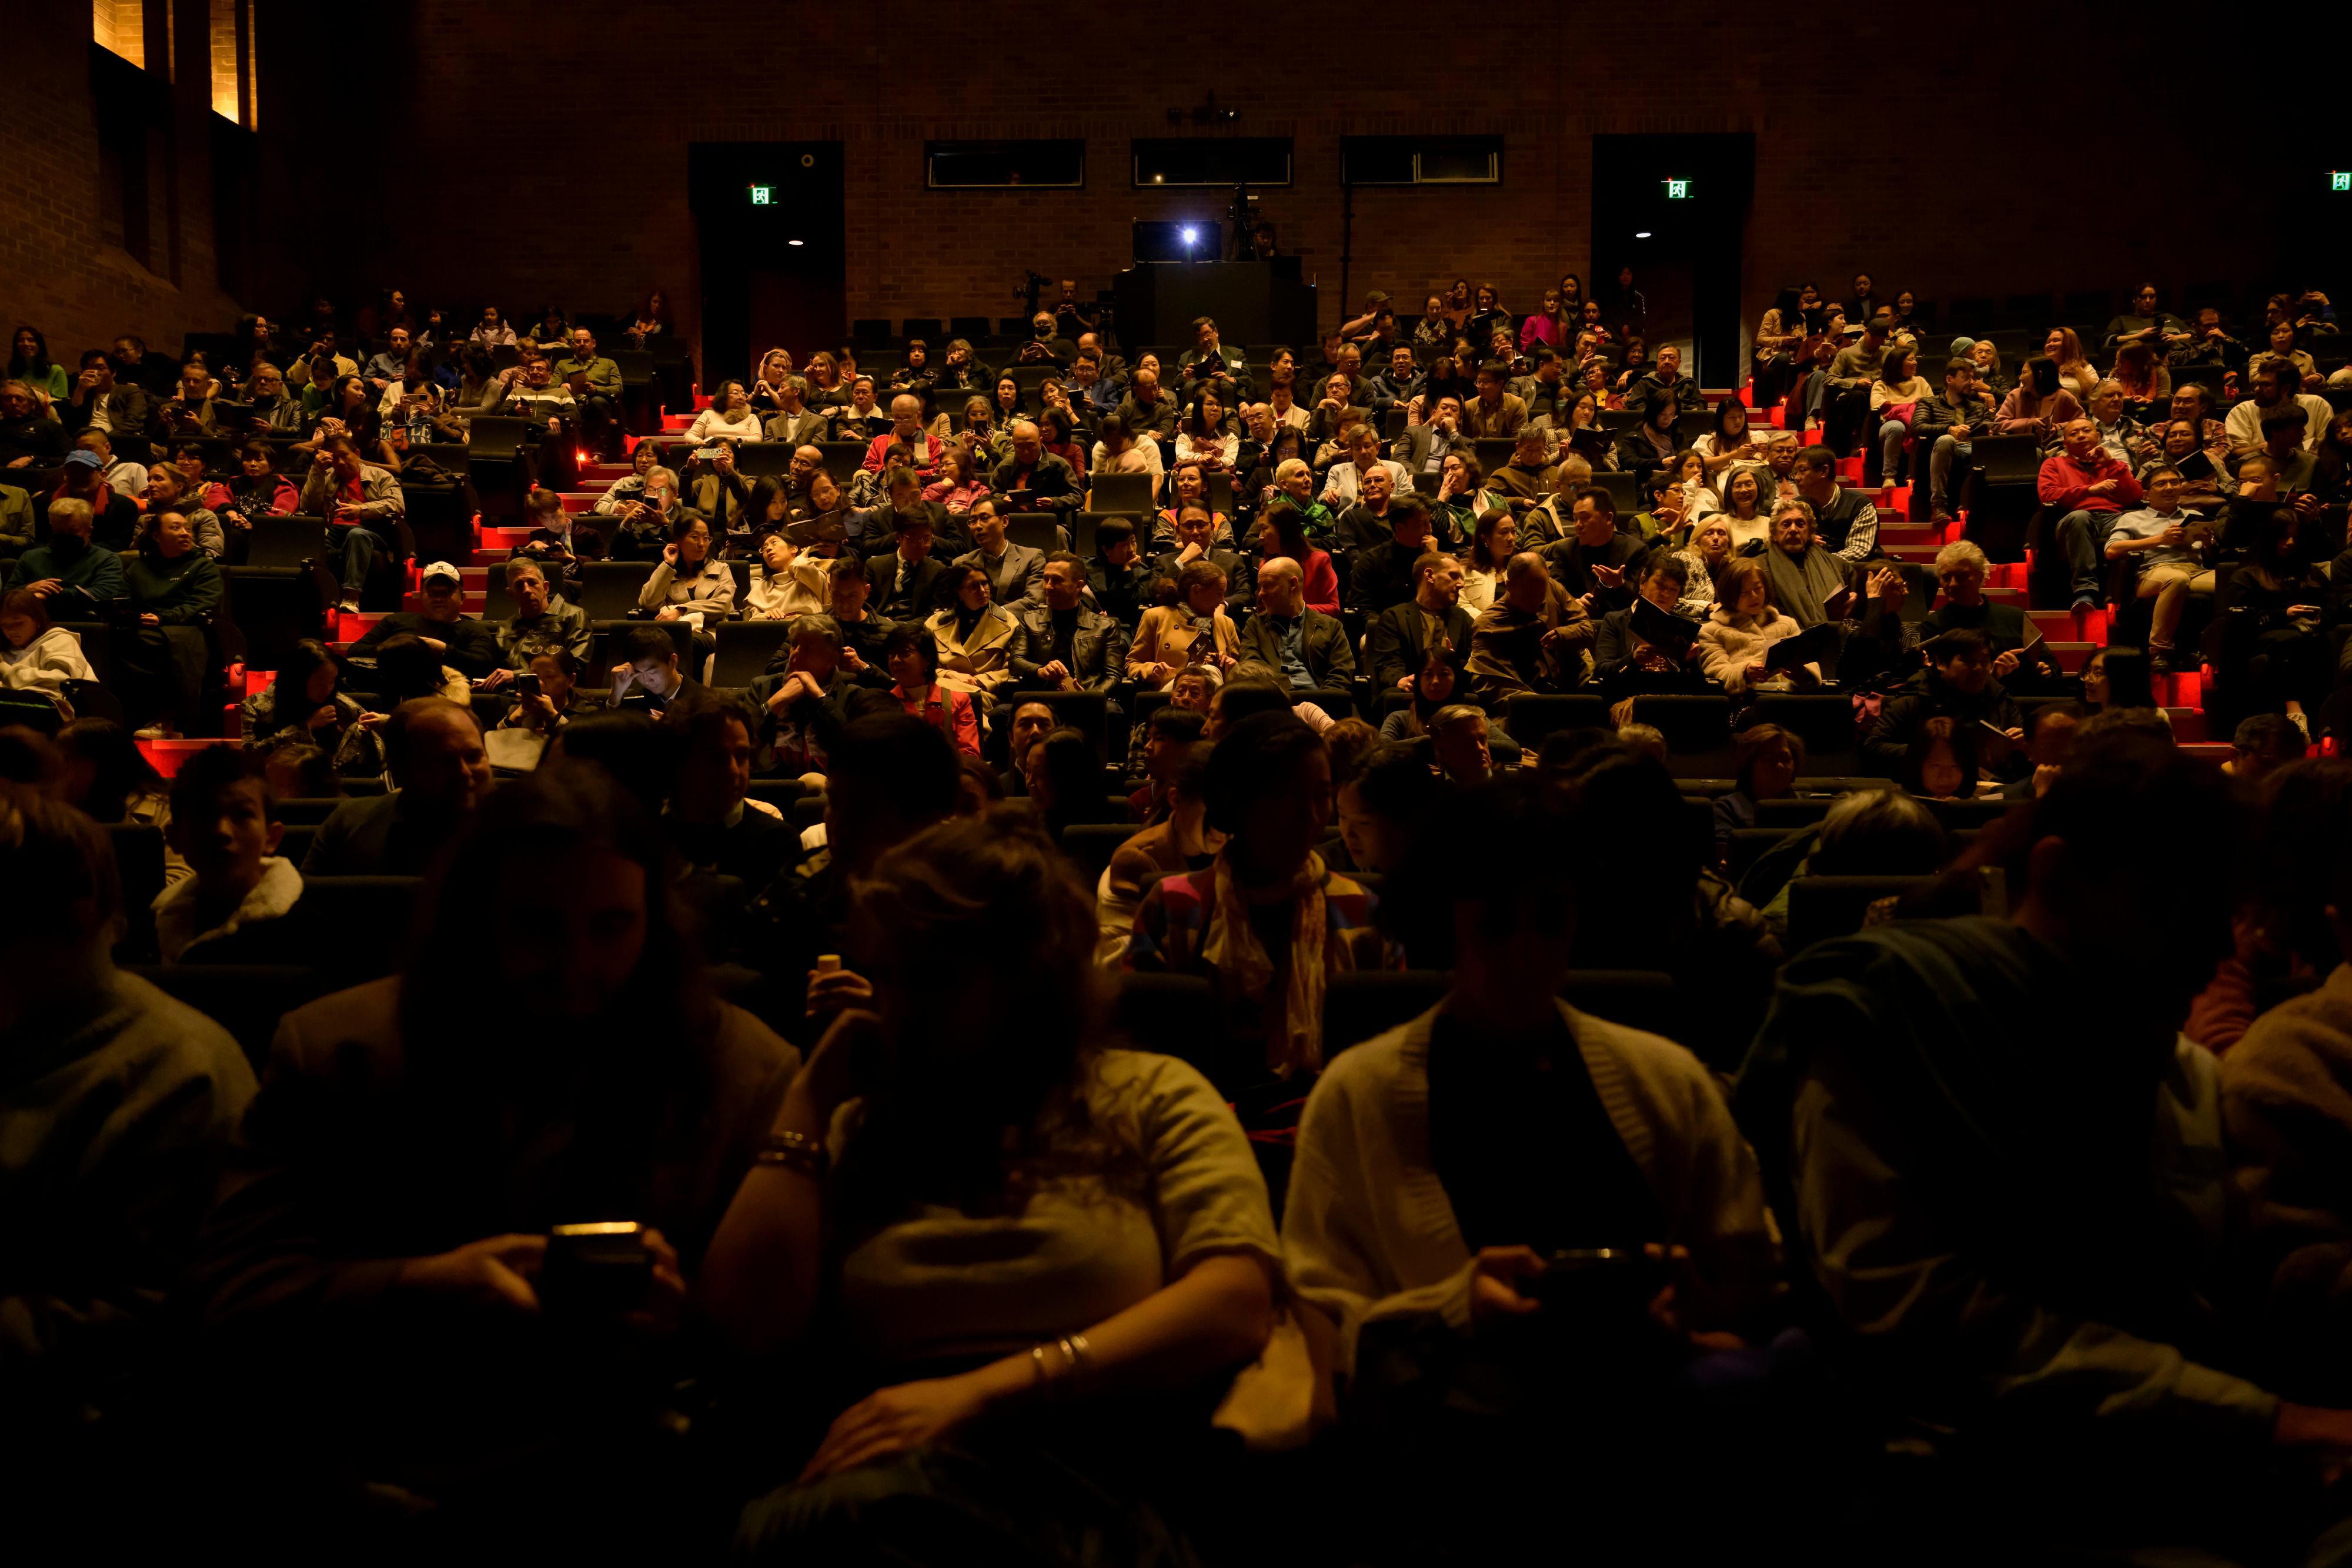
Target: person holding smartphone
[(1446, 1166)]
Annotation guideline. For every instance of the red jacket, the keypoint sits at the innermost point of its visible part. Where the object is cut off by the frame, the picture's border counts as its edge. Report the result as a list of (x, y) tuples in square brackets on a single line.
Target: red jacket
[(928, 467), (1322, 582), (946, 710), (2065, 483)]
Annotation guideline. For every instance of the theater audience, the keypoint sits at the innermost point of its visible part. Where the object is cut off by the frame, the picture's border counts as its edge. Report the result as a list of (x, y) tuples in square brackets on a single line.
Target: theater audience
[(2057, 1286)]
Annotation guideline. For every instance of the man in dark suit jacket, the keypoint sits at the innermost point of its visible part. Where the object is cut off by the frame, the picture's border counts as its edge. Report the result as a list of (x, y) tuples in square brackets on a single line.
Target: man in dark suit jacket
[(1383, 574), (905, 580), (1403, 638), (1321, 658), (433, 748), (1071, 646)]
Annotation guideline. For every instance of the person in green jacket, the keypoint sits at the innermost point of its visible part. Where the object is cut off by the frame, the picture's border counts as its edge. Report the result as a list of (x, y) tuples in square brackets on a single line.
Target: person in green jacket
[(175, 587), (76, 577)]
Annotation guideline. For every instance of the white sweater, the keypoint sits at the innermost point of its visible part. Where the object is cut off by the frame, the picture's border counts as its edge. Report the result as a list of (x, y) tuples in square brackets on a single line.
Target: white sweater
[(45, 664), (1368, 1233), (744, 426)]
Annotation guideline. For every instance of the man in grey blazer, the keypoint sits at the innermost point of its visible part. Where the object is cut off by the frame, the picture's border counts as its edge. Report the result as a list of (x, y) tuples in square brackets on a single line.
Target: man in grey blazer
[(1015, 572), (1421, 448)]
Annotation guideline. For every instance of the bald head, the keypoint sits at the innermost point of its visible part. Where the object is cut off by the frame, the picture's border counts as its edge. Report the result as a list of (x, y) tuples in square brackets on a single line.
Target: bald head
[(1527, 582), (1281, 586)]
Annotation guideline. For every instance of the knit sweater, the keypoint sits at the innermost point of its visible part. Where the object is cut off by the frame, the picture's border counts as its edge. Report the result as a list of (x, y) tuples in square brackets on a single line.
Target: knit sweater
[(1369, 1234)]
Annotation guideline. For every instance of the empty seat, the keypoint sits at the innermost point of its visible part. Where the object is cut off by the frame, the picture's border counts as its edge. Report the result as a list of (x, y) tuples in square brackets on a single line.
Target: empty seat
[(1823, 722), (1530, 717), (285, 543), (1175, 1015), (842, 458), (1820, 908), (1037, 530), (1090, 845), (1127, 494), (1638, 998), (744, 649), (247, 999), (1797, 813), (1494, 451), (1697, 730), (763, 459), (1358, 1004), (495, 437), (1624, 491), (609, 589), (1748, 844), (360, 924)]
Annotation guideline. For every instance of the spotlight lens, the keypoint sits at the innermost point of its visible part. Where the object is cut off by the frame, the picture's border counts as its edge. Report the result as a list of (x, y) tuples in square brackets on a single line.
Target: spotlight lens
[(1191, 234)]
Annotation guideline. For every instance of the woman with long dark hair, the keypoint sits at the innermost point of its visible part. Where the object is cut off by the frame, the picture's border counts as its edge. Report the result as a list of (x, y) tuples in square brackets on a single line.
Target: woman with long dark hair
[(977, 1111), (2039, 405), (1282, 532), (29, 361), (380, 1263)]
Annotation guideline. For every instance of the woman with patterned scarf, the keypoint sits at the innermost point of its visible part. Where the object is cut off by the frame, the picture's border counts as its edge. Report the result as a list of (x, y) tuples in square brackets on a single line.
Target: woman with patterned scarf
[(1267, 922)]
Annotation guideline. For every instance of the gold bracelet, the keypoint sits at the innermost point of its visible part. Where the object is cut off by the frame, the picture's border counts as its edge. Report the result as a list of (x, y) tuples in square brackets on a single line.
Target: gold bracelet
[(795, 1152)]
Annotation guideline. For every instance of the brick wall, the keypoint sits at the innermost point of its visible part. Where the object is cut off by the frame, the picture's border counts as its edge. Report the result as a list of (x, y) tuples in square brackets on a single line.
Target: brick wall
[(1932, 173), (59, 269), (541, 154)]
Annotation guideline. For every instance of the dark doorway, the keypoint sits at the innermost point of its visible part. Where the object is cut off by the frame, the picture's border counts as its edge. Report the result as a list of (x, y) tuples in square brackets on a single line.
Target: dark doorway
[(774, 249), (1674, 209)]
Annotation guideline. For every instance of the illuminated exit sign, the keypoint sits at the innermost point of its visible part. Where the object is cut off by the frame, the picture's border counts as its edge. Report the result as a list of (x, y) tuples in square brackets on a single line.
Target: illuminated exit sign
[(1677, 188), (2340, 180), (763, 196)]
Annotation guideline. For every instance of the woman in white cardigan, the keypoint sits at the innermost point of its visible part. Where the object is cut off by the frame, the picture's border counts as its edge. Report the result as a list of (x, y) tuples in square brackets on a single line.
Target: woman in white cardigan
[(1733, 639), (1371, 1231), (731, 415)]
